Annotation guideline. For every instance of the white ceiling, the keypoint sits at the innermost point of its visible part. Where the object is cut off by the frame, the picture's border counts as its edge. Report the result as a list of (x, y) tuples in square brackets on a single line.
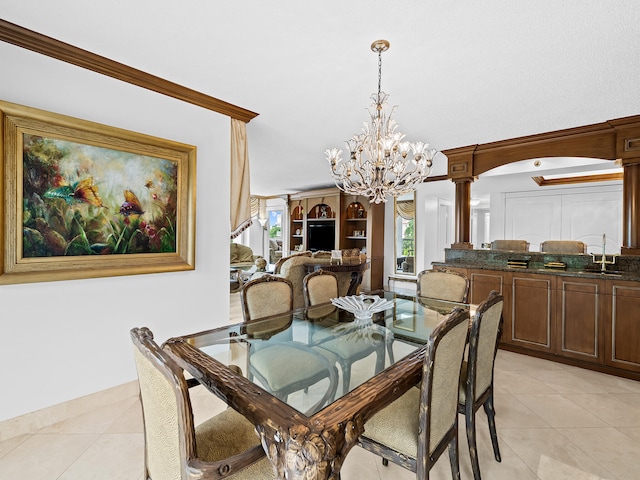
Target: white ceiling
[(461, 73)]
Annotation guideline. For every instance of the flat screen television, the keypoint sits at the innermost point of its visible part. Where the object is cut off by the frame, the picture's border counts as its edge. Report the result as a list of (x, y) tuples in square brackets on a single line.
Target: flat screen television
[(321, 236)]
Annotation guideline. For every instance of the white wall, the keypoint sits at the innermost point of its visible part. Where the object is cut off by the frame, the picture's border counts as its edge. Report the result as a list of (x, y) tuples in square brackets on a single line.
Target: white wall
[(63, 340), (574, 213), (583, 213), (434, 232)]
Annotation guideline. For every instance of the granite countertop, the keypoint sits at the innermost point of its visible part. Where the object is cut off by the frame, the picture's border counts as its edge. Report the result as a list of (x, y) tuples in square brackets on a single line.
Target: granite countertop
[(587, 273), (580, 266)]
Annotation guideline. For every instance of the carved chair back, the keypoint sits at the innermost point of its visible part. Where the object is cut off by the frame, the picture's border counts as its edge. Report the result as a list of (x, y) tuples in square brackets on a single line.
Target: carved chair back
[(443, 285), (319, 287)]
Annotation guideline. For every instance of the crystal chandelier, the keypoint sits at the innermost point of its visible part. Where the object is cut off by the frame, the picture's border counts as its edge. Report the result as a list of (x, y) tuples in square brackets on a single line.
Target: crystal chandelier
[(380, 163)]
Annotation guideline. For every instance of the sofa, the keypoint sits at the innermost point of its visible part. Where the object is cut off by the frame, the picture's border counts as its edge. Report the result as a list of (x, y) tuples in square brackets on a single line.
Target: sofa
[(241, 256), (293, 269)]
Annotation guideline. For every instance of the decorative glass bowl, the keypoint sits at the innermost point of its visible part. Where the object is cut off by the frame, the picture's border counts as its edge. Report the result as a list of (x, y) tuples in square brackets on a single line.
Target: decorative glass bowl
[(362, 306), (362, 328)]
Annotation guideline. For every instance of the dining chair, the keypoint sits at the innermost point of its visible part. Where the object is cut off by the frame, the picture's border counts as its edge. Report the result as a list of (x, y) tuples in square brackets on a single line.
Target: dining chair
[(416, 429), (284, 366), (225, 446), (510, 245), (563, 246), (320, 287), (443, 284), (476, 378)]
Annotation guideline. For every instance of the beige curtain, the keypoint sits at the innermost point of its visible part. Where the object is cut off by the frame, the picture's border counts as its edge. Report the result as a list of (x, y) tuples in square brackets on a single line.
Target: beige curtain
[(406, 209), (240, 187), (259, 208), (255, 207)]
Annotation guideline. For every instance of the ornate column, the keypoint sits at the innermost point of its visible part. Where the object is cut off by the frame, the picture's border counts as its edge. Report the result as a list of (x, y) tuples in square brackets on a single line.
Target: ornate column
[(631, 208), (627, 146), (463, 214), (460, 172)]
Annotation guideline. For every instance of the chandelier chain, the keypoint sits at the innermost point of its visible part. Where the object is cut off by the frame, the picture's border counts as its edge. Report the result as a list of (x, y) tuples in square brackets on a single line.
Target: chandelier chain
[(379, 72)]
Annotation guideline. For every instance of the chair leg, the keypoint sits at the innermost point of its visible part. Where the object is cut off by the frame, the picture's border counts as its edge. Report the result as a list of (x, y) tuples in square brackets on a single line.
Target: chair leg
[(453, 458), (385, 462), (470, 422), (491, 416), (346, 376)]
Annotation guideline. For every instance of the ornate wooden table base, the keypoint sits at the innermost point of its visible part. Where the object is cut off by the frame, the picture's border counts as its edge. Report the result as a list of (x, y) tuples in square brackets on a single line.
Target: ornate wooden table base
[(311, 446), (301, 447)]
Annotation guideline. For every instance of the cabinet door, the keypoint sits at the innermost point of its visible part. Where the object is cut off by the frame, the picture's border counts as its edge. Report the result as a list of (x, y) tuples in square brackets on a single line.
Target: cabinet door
[(623, 333), (483, 282), (531, 313), (579, 318)]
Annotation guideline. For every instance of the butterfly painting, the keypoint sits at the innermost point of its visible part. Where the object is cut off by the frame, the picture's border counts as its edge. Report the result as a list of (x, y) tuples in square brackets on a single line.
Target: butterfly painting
[(82, 199), (131, 205), (82, 191)]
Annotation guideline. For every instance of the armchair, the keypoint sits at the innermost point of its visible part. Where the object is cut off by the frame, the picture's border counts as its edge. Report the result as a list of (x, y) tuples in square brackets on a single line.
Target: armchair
[(293, 269), (241, 256)]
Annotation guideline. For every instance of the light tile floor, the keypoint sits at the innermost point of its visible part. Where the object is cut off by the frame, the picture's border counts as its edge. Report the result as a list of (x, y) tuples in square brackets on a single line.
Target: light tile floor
[(554, 421)]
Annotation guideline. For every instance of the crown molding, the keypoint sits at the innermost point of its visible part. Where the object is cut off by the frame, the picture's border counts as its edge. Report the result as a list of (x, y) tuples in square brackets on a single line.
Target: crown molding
[(36, 42)]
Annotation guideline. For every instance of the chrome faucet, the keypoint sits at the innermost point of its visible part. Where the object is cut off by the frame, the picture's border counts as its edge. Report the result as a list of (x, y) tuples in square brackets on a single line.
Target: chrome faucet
[(603, 258)]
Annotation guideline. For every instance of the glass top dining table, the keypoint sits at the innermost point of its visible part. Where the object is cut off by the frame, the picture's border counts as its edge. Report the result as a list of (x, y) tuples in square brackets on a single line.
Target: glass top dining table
[(335, 371)]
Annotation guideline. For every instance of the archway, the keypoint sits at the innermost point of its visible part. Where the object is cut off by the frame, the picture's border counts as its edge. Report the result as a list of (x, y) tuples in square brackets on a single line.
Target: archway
[(611, 140)]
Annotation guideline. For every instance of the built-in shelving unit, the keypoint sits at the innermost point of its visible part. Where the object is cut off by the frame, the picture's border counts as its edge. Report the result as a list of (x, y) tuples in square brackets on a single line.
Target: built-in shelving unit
[(328, 219), (296, 228), (354, 225), (314, 220)]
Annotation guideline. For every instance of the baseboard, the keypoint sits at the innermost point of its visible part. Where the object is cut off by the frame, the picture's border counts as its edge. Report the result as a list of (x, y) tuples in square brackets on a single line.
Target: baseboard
[(30, 423)]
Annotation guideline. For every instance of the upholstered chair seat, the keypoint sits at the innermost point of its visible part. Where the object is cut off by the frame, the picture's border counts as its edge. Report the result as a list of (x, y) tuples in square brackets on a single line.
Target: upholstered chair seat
[(320, 287), (417, 428), (225, 435), (174, 448), (443, 284), (272, 296), (274, 366), (396, 426)]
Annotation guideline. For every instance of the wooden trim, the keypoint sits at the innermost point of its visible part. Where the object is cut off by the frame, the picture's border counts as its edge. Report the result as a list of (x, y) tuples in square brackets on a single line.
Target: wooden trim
[(36, 42), (594, 141), (436, 178), (617, 139), (606, 140), (605, 177)]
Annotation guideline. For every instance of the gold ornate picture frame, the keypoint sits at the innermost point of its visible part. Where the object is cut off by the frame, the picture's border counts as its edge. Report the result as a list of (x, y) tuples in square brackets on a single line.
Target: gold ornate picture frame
[(85, 200)]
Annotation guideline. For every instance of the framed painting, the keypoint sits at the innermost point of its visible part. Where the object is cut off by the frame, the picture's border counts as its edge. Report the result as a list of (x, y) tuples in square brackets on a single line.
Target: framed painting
[(86, 200)]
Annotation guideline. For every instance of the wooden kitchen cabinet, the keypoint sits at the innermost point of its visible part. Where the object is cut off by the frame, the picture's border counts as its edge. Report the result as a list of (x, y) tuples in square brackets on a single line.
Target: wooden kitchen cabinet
[(483, 282), (530, 316), (584, 319), (622, 347), (580, 311)]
